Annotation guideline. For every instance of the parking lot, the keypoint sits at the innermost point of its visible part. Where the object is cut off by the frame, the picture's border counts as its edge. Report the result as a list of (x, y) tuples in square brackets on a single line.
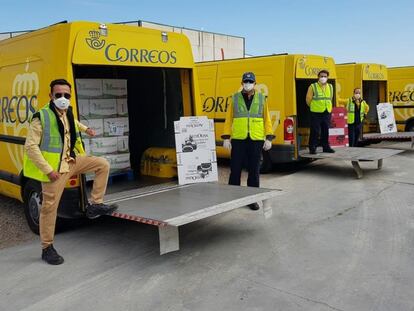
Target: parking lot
[(334, 242)]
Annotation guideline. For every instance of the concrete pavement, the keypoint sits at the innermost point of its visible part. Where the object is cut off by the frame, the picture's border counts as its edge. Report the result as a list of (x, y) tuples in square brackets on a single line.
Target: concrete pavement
[(333, 243)]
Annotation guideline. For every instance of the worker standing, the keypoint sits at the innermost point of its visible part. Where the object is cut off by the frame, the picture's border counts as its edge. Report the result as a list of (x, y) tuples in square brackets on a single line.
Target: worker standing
[(319, 99), (357, 109), (53, 153), (247, 130)]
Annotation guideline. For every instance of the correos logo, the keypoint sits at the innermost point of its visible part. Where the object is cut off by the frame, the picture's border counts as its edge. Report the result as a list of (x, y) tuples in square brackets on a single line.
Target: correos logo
[(309, 70), (373, 75), (115, 53), (17, 109)]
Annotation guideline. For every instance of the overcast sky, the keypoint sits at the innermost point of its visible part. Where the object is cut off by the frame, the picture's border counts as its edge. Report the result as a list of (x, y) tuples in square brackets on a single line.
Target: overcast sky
[(350, 31)]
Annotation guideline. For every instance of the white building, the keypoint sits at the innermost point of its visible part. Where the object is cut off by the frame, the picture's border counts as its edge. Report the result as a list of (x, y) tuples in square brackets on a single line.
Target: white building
[(206, 45)]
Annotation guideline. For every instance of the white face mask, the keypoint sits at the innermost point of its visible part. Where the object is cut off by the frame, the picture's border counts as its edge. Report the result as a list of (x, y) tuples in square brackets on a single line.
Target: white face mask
[(62, 103), (357, 96), (323, 80), (248, 86)]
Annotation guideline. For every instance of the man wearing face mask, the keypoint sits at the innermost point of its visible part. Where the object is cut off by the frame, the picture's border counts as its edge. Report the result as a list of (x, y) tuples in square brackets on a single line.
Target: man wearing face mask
[(249, 127), (53, 153), (357, 109), (319, 99)]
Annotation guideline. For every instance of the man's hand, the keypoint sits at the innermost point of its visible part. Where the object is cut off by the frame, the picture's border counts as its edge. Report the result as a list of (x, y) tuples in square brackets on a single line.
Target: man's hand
[(267, 145), (90, 132), (53, 175), (227, 144)]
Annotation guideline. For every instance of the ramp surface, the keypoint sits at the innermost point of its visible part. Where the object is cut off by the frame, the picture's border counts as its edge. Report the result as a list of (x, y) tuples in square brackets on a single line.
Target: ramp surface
[(173, 206), (355, 154)]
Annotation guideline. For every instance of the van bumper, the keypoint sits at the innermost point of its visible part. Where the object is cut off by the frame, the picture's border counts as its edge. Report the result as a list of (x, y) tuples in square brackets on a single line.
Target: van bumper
[(282, 154), (70, 204)]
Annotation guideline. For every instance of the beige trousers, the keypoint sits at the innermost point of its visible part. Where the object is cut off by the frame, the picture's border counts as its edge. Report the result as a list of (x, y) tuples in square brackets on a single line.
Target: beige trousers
[(52, 192)]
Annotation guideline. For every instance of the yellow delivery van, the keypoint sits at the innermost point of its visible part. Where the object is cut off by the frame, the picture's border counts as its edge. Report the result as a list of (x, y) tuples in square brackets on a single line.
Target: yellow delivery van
[(373, 81), (137, 81), (401, 95), (284, 79)]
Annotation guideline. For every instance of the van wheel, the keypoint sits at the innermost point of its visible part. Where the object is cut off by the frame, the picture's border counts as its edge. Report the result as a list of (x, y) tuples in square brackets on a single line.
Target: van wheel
[(32, 196), (266, 164), (410, 127)]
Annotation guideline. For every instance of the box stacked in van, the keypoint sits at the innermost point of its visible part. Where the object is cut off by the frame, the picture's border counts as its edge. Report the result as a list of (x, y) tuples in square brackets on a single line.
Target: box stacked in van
[(103, 107)]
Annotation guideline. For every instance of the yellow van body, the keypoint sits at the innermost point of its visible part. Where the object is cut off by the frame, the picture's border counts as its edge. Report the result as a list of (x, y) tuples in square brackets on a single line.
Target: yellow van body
[(284, 79), (85, 50), (401, 95), (373, 81)]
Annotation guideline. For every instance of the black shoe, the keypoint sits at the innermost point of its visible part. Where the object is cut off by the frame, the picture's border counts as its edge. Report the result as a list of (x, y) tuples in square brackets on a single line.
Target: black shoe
[(312, 151), (50, 255), (328, 150), (254, 206), (96, 210)]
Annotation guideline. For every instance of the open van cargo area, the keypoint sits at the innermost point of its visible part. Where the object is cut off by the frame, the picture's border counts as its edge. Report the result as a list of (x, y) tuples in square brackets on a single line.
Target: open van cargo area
[(155, 100)]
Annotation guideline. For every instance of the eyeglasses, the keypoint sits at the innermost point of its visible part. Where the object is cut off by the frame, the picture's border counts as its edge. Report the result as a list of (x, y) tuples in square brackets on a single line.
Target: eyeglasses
[(59, 95), (248, 81)]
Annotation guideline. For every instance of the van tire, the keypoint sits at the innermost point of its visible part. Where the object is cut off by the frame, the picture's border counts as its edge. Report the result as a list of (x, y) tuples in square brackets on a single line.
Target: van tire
[(266, 164), (410, 126), (32, 198)]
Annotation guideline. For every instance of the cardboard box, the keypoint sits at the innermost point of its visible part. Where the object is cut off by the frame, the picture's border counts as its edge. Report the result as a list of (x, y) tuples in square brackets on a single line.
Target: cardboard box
[(338, 123), (83, 106), (338, 140), (104, 145), (122, 107), (114, 87), (123, 145), (116, 127), (87, 145), (89, 88), (95, 124), (118, 161), (100, 108)]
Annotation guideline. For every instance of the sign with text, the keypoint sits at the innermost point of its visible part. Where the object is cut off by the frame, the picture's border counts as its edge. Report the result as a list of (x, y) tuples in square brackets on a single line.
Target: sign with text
[(196, 150), (386, 118)]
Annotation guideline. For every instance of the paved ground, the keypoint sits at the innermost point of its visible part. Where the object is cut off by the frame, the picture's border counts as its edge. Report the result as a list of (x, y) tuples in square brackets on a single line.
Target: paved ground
[(333, 243)]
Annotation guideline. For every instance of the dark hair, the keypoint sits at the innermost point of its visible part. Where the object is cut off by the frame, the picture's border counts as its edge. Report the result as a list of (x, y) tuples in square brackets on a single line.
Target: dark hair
[(357, 88), (59, 82), (323, 71)]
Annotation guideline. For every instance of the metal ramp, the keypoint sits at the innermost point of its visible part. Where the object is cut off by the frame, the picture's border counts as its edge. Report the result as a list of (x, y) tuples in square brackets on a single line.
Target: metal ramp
[(171, 206), (399, 136), (355, 155)]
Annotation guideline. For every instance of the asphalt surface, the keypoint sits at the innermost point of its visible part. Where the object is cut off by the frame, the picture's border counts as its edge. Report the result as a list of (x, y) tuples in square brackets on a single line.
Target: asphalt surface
[(333, 243)]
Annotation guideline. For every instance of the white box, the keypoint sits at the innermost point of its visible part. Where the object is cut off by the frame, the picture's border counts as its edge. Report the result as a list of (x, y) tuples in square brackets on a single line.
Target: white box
[(123, 144), (115, 87), (103, 108), (104, 145), (122, 107), (95, 124), (89, 88), (386, 118), (116, 127), (118, 161), (83, 106), (87, 145)]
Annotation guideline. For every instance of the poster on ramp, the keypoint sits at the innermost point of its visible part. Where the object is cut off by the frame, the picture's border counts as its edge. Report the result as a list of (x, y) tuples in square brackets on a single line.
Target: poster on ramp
[(196, 150), (386, 118)]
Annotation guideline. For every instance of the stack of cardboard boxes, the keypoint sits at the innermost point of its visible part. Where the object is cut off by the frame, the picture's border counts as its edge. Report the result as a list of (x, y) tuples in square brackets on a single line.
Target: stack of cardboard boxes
[(102, 105), (338, 132)]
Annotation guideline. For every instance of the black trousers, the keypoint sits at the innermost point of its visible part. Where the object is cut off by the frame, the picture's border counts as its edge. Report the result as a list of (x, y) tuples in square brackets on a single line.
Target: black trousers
[(319, 127), (245, 151), (354, 132)]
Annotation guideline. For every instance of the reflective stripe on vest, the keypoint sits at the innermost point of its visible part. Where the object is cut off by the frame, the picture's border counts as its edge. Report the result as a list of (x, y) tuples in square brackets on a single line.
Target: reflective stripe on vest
[(248, 122), (321, 100), (351, 110)]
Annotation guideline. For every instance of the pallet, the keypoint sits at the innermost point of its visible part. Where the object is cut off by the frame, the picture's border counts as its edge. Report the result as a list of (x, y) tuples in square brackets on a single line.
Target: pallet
[(129, 175)]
